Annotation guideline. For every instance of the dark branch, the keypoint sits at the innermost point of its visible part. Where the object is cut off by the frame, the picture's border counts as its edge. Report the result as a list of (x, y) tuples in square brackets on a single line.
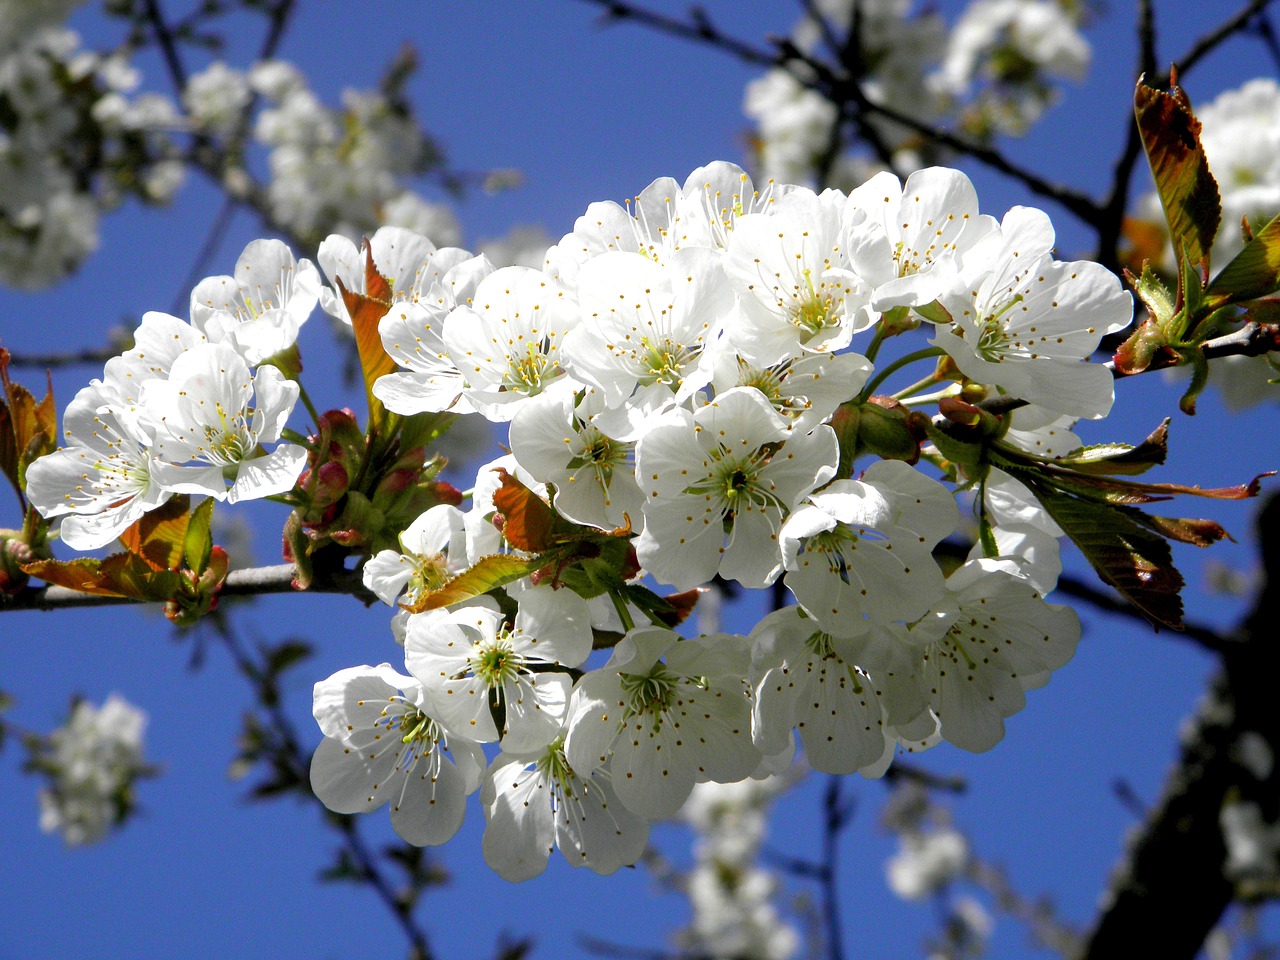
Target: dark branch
[(168, 44), (255, 581), (1171, 890)]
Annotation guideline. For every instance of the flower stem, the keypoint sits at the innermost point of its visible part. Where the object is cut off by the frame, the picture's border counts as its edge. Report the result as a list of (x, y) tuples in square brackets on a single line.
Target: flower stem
[(897, 365), (623, 613)]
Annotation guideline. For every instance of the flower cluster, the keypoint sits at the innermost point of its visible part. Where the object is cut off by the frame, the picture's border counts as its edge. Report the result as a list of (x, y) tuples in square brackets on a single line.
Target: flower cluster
[(334, 170), (185, 410), (72, 143), (731, 894), (990, 72), (91, 763), (671, 379)]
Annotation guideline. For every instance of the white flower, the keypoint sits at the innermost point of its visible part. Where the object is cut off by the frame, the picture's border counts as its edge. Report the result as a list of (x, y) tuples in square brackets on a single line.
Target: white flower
[(412, 333), (208, 433), (560, 445), (465, 657), (644, 330), (994, 639), (216, 99), (103, 480), (410, 262), (719, 483), (433, 549), (805, 390), (1025, 322), (536, 801), (260, 309), (92, 762), (666, 723), (382, 746), (797, 291), (808, 680), (861, 550), (508, 343), (905, 240), (926, 862)]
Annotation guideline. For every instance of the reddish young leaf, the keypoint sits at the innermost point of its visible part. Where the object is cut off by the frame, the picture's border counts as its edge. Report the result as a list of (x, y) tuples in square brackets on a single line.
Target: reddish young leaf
[(27, 429), (366, 310), (528, 521), (1171, 135)]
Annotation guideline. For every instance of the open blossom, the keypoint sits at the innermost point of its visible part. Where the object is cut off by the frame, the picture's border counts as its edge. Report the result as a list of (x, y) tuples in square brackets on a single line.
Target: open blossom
[(260, 309), (556, 440), (718, 484), (797, 291), (412, 333), (535, 801), (1025, 322), (644, 332), (861, 550), (810, 681), (468, 655), (433, 548), (907, 240), (669, 712), (382, 746), (103, 479), (508, 342), (994, 638), (410, 261), (211, 416)]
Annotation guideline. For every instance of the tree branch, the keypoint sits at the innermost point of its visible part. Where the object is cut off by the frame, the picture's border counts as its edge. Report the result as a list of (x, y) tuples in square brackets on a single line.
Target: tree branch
[(1171, 890), (254, 581)]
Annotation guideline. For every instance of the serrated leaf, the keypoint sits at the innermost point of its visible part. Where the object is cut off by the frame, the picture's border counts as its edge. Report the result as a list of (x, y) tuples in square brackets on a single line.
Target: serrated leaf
[(366, 311), (81, 574), (1122, 551), (158, 537), (1188, 192), (1254, 272), (487, 573), (119, 575), (1117, 491)]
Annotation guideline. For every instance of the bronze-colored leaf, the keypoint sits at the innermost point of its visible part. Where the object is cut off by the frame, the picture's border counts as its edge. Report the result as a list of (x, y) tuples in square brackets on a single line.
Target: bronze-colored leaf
[(366, 310), (159, 537), (528, 521), (1171, 136)]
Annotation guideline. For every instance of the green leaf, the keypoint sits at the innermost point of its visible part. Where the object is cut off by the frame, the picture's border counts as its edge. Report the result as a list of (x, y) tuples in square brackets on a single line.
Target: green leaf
[(1253, 273), (158, 537), (198, 543), (1121, 458), (1171, 136), (487, 573), (1123, 551), (283, 656)]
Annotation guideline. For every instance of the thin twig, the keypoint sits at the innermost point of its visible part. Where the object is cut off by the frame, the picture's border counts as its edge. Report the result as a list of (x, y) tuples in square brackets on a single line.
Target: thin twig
[(168, 45), (217, 232), (299, 761), (835, 820)]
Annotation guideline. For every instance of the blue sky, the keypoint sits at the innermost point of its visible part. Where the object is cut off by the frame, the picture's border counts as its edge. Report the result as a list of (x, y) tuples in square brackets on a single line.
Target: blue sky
[(586, 114)]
